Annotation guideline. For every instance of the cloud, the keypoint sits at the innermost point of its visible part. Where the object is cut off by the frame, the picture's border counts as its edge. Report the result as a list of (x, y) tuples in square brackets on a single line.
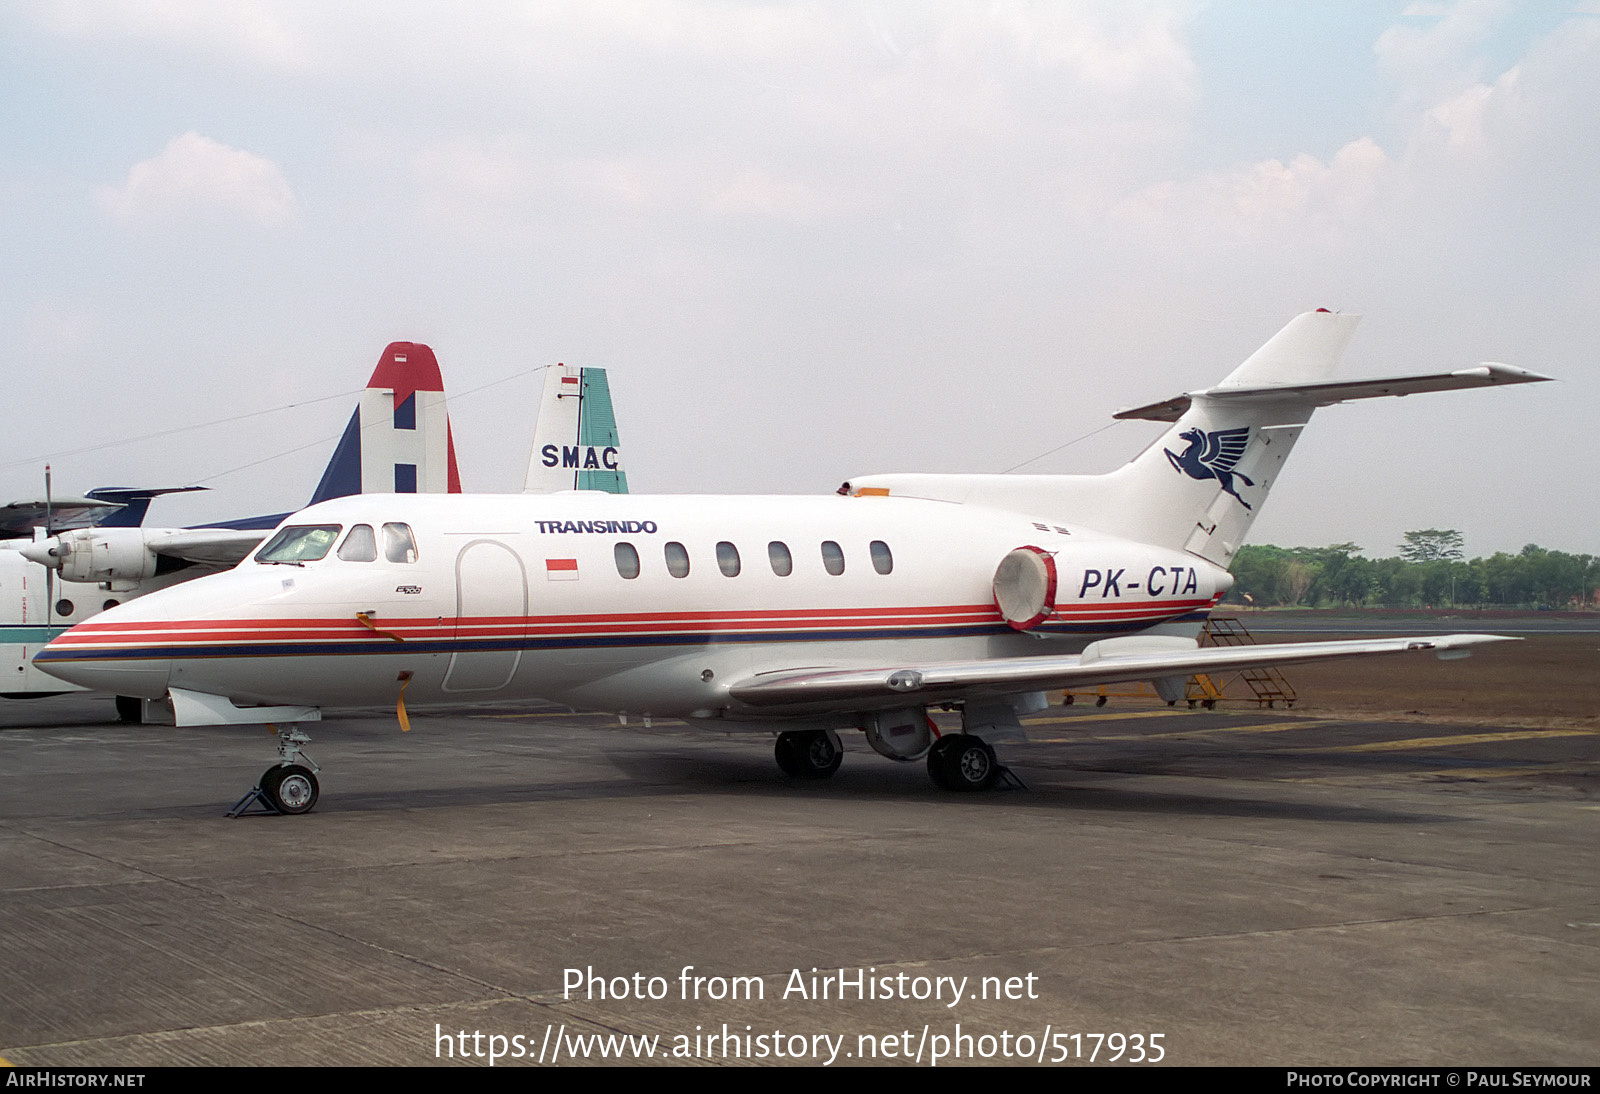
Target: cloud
[(1460, 119), (1263, 198), (58, 330), (195, 175), (251, 29), (1437, 50)]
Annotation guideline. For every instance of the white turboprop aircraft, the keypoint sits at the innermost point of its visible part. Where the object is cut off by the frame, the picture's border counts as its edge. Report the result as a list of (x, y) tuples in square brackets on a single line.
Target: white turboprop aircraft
[(788, 615), (398, 439)]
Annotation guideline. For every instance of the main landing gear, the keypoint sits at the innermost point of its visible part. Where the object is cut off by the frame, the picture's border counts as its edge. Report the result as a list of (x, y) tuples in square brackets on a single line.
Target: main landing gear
[(962, 761), (809, 754), (289, 786), (957, 761)]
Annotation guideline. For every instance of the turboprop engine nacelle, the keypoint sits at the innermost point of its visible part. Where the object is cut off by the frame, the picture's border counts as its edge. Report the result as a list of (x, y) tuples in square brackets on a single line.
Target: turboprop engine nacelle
[(96, 555)]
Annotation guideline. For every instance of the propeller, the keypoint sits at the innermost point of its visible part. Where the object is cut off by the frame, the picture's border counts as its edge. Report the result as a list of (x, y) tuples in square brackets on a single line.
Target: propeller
[(49, 572)]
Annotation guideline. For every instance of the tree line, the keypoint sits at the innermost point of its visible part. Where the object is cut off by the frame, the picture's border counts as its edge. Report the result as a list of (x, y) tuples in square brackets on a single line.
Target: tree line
[(1429, 572)]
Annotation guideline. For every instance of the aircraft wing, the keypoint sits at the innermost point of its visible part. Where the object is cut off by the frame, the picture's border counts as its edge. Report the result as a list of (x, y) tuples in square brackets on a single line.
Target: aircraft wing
[(1110, 662), (19, 518), (216, 546)]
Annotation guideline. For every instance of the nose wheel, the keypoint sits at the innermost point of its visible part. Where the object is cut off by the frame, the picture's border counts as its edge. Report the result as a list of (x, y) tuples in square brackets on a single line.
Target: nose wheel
[(290, 790), (288, 787)]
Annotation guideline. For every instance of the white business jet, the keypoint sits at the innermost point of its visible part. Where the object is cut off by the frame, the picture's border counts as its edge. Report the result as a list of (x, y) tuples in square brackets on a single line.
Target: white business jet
[(398, 439), (794, 616)]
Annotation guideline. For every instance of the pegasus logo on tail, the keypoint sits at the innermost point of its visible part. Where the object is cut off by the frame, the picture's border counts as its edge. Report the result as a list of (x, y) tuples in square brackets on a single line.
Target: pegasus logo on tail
[(1213, 456)]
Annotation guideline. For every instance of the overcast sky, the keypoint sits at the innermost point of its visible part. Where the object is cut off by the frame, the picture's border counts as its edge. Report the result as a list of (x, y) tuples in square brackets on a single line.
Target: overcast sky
[(808, 240)]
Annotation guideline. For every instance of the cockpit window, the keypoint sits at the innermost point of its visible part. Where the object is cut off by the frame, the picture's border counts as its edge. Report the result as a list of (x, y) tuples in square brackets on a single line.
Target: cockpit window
[(399, 545), (299, 543), (360, 545)]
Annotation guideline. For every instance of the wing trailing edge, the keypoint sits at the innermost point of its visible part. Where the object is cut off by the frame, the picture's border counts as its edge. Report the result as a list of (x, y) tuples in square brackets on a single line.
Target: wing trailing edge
[(1112, 661)]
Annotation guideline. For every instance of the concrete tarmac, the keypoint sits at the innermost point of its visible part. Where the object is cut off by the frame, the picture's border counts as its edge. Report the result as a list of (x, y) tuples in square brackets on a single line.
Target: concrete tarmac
[(1209, 887)]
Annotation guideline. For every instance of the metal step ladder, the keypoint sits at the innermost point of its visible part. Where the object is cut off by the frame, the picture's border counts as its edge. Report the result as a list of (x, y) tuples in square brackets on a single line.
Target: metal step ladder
[(1267, 685)]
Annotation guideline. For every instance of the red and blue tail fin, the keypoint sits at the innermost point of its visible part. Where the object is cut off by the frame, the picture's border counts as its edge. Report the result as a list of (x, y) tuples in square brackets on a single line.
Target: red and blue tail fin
[(398, 440)]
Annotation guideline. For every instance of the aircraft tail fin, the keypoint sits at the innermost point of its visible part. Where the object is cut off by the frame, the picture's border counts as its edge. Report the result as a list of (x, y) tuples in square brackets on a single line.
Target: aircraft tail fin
[(1200, 486), (398, 441), (575, 440)]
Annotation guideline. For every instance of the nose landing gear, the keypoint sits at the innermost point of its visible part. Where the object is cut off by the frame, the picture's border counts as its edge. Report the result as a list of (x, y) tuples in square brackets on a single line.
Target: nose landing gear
[(288, 787)]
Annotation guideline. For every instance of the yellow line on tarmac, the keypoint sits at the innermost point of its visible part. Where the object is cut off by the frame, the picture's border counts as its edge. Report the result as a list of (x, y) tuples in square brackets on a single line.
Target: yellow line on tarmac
[(6, 1063), (1464, 739), (1274, 727), (1512, 772), (1075, 719), (1271, 727)]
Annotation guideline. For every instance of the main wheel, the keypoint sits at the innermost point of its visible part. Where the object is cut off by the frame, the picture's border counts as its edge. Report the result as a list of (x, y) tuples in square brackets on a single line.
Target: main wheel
[(808, 754), (130, 708), (291, 789), (962, 762)]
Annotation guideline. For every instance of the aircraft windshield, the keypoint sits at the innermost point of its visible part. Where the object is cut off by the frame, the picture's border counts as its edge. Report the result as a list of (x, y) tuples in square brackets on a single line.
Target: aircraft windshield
[(299, 543)]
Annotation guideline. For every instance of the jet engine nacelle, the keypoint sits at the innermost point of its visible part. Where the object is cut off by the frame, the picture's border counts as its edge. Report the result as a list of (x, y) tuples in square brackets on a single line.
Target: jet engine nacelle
[(1033, 584), (101, 555)]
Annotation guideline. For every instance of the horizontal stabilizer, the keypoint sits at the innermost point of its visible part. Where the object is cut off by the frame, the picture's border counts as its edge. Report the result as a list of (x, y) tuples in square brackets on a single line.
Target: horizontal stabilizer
[(1329, 392), (1110, 663), (135, 502)]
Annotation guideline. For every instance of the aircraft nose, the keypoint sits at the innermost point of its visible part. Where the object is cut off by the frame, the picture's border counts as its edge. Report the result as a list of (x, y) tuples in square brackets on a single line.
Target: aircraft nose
[(105, 654)]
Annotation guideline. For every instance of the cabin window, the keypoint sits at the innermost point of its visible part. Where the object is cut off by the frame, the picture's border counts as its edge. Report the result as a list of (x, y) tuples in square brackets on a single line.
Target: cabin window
[(360, 545), (300, 543), (882, 559), (782, 561), (832, 557), (677, 560), (399, 545), (627, 560), (65, 607), (728, 559)]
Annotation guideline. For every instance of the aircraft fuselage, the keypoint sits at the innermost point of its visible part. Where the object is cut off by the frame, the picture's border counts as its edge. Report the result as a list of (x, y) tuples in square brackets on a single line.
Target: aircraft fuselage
[(634, 604)]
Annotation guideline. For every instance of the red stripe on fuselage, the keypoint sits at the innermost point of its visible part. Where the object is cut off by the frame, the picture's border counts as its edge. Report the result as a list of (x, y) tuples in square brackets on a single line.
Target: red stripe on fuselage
[(195, 632)]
